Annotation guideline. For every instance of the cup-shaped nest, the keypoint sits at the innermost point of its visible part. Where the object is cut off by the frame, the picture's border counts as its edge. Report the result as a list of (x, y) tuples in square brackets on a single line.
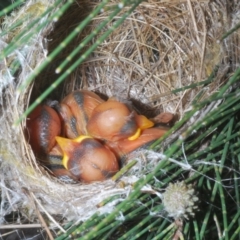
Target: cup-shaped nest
[(159, 48)]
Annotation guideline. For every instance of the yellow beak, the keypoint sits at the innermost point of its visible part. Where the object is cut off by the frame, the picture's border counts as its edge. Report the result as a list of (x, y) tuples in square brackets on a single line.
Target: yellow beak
[(67, 146), (143, 123)]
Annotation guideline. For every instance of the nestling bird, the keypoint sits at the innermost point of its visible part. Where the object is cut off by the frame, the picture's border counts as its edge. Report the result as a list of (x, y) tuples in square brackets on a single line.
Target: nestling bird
[(85, 137), (76, 109), (43, 125), (113, 121), (87, 159)]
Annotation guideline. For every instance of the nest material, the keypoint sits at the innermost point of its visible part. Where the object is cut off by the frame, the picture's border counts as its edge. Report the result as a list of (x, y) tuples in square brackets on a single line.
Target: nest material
[(162, 46)]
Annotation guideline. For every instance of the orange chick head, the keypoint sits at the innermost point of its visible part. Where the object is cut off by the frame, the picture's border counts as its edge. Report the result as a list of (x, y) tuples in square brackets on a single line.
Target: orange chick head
[(112, 121), (87, 159), (43, 125)]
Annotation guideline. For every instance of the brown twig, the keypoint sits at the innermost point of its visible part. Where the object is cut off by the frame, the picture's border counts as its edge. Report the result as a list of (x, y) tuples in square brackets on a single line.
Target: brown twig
[(30, 196)]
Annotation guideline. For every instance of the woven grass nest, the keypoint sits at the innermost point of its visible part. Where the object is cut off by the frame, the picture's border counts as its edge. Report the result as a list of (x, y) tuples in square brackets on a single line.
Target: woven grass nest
[(161, 46)]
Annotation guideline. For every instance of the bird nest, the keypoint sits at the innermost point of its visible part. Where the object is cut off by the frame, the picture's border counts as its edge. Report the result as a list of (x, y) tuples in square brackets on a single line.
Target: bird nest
[(162, 46)]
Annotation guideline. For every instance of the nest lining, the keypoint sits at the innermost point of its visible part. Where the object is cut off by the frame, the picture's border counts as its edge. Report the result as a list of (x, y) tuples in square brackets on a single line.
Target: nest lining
[(159, 48)]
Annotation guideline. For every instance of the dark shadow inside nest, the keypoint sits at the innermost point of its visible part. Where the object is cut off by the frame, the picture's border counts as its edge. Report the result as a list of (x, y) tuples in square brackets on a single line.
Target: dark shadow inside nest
[(61, 29)]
